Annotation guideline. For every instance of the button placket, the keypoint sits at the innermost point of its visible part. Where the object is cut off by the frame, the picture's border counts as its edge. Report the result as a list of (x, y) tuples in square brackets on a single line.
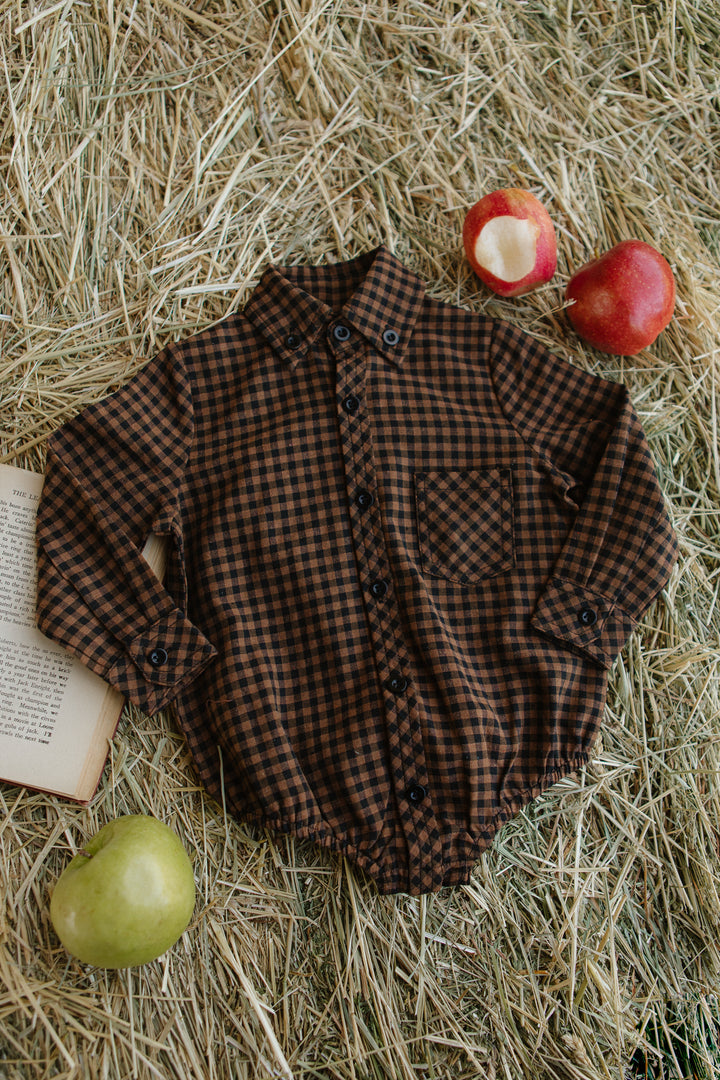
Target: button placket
[(363, 497), (404, 733)]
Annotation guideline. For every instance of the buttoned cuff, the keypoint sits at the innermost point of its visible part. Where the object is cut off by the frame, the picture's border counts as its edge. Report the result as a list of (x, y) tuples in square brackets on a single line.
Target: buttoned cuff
[(583, 619), (157, 665)]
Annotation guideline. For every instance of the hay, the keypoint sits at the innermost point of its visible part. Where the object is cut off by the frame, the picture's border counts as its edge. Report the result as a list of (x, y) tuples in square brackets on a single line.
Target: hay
[(156, 154)]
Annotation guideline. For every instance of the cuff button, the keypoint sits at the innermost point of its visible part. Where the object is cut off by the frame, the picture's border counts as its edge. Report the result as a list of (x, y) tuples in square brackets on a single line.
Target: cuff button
[(587, 616), (157, 657)]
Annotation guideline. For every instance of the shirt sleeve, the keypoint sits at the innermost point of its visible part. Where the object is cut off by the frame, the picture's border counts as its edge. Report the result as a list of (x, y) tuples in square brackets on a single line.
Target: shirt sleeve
[(113, 477), (620, 548)]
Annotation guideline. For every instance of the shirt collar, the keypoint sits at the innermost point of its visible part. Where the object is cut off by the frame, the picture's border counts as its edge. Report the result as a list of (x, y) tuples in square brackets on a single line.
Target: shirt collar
[(374, 293)]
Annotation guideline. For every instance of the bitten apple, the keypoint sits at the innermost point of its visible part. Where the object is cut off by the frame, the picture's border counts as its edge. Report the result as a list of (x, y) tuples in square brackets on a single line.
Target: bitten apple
[(127, 897), (509, 239), (621, 301)]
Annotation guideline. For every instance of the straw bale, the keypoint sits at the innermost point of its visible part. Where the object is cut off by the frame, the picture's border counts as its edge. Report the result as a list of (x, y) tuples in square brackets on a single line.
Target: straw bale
[(156, 154)]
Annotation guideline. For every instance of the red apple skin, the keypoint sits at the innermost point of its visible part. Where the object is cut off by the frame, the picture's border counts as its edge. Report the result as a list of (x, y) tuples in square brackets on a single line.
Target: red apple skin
[(623, 299), (521, 204)]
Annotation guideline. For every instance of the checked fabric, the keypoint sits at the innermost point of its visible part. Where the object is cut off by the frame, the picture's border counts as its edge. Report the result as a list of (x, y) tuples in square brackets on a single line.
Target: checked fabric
[(406, 545)]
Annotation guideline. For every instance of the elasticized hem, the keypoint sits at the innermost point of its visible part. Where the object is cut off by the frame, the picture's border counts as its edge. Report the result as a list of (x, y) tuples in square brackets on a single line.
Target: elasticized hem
[(460, 850), (464, 849), (552, 775), (326, 838)]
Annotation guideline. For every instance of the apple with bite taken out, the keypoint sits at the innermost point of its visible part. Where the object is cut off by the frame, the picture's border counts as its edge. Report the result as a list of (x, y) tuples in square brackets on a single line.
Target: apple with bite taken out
[(509, 240), (127, 896), (621, 301)]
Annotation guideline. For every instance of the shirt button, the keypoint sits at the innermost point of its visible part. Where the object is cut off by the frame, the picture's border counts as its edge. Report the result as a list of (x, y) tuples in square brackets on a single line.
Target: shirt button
[(391, 337), (397, 683), (415, 794), (157, 657), (351, 404), (379, 589), (364, 499), (293, 341), (341, 332), (587, 616)]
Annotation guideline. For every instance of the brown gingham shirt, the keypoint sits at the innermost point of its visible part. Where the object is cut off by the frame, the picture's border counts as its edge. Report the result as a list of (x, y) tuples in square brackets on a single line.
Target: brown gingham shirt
[(407, 543)]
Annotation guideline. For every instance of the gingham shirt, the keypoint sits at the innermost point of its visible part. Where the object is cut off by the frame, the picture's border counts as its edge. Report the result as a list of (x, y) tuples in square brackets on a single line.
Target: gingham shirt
[(406, 545)]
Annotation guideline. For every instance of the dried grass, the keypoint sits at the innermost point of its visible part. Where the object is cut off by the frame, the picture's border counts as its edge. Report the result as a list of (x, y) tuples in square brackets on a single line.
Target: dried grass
[(156, 154)]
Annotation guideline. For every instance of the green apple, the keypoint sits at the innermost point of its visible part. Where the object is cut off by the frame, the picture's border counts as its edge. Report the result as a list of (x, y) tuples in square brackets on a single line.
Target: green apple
[(127, 896)]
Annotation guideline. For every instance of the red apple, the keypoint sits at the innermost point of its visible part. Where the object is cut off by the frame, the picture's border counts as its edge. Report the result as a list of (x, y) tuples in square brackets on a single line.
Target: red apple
[(510, 243), (623, 299)]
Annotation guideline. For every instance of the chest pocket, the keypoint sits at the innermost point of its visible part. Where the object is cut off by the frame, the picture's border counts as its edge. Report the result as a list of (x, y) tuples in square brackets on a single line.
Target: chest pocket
[(465, 523)]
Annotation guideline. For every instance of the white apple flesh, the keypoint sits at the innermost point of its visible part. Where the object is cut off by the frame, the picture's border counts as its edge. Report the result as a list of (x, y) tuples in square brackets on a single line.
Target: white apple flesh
[(506, 247), (127, 897)]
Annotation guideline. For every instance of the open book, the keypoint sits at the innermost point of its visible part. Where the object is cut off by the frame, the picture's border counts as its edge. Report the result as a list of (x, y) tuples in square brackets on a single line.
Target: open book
[(56, 717)]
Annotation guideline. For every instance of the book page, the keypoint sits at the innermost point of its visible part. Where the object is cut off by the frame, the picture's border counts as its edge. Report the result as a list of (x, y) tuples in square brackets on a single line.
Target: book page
[(56, 717)]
